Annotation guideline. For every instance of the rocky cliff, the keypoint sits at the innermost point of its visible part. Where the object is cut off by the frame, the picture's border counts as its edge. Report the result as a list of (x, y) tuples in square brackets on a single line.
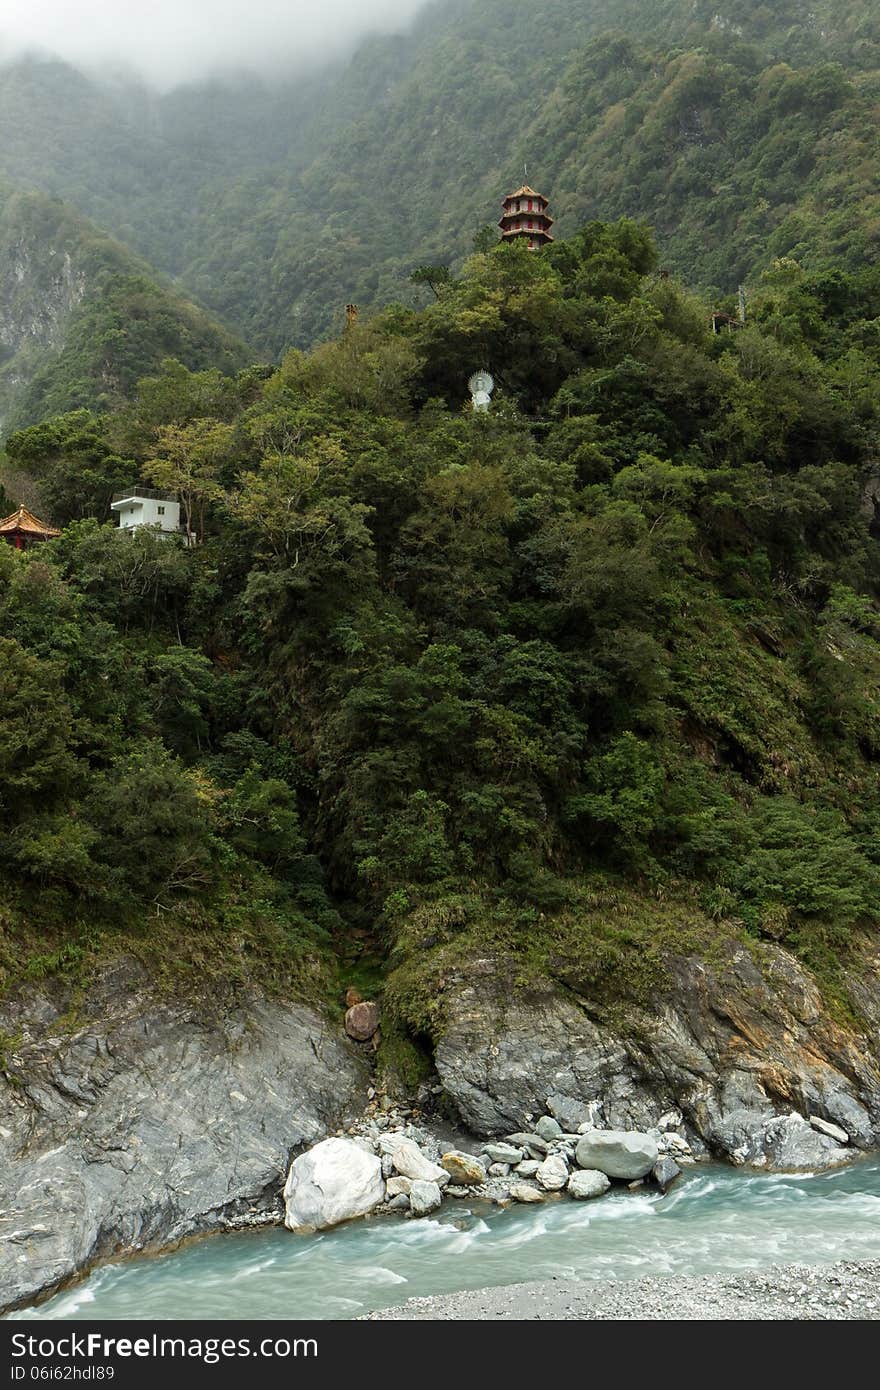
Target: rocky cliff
[(82, 318), (743, 1046), (135, 1123), (142, 1122)]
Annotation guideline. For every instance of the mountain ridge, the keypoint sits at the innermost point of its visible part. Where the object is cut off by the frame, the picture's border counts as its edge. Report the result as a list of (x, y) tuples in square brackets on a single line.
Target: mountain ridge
[(275, 205)]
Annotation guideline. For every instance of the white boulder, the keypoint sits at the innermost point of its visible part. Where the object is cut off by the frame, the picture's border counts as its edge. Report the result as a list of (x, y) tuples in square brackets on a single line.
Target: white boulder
[(335, 1181), (424, 1197), (552, 1174), (586, 1183), (410, 1162)]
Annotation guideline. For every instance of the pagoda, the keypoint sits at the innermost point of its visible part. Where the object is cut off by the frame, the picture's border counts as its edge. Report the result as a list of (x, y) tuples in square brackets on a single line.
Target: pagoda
[(23, 529), (525, 215)]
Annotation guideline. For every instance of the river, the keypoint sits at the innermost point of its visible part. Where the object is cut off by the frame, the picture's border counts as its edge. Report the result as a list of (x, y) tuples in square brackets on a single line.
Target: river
[(713, 1219)]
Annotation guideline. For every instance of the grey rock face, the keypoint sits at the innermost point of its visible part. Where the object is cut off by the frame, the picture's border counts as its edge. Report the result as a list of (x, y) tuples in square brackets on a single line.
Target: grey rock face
[(617, 1154), (790, 1143), (730, 1047), (586, 1183), (569, 1113), (825, 1127), (148, 1123), (424, 1197)]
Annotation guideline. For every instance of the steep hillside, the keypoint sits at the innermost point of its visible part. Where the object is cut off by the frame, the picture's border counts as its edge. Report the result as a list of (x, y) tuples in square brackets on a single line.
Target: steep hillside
[(571, 682), (82, 319), (741, 136)]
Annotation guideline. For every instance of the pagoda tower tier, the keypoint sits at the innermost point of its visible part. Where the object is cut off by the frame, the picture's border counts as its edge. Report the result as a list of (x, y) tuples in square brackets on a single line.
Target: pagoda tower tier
[(525, 215)]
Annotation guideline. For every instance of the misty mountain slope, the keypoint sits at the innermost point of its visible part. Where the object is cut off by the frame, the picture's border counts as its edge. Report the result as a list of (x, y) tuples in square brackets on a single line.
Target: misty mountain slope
[(737, 157), (82, 319), (274, 205)]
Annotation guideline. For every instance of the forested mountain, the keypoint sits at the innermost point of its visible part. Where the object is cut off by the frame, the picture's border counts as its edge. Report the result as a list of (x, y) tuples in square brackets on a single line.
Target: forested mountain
[(82, 319), (741, 135), (585, 679)]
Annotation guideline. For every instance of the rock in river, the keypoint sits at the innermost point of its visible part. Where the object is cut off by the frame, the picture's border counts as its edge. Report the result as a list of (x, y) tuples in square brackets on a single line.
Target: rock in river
[(333, 1182), (424, 1197), (135, 1120), (665, 1171), (617, 1153), (586, 1183), (524, 1192)]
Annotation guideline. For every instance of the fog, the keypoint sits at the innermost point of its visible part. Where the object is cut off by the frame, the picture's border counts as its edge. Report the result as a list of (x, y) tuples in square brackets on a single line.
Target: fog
[(170, 42)]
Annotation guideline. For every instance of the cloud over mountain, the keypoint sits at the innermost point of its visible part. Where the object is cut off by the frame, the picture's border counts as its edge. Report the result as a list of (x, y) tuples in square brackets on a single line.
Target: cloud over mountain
[(171, 42)]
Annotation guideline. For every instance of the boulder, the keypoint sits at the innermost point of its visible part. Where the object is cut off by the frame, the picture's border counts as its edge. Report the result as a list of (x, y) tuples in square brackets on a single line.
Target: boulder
[(665, 1171), (503, 1153), (409, 1160), (396, 1186), (424, 1197), (617, 1153), (533, 1143), (548, 1128), (528, 1168), (362, 1020), (463, 1169), (524, 1192), (552, 1175), (587, 1182), (335, 1181), (499, 1170), (399, 1203)]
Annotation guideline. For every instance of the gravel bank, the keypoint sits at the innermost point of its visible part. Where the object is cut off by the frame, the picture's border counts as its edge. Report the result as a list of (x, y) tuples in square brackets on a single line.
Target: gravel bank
[(812, 1293)]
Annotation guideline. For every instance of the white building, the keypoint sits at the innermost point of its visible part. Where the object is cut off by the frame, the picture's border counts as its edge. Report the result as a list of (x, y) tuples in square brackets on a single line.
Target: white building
[(141, 506)]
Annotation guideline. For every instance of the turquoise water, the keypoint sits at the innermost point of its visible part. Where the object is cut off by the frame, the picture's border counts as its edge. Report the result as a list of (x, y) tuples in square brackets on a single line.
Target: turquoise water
[(713, 1219)]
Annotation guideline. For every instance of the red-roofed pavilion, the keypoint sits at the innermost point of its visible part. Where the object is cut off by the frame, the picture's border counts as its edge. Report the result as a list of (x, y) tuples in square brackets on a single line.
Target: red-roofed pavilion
[(22, 529)]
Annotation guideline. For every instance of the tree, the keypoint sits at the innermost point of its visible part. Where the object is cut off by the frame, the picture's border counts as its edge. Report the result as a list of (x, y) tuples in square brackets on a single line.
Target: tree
[(188, 462), (436, 277)]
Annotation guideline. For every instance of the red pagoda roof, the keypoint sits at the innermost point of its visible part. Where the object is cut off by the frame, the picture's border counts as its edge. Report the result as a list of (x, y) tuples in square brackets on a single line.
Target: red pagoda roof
[(25, 523)]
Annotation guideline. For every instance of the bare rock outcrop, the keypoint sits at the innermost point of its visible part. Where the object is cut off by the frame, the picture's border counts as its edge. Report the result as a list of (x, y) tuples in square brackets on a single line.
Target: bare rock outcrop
[(743, 1046), (147, 1122)]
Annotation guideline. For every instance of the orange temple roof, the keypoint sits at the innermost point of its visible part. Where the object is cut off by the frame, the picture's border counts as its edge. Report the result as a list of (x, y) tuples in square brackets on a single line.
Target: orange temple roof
[(525, 192), (25, 523)]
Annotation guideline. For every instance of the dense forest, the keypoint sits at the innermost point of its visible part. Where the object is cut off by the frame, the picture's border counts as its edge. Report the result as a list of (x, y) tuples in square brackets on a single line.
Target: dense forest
[(740, 136), (82, 319), (585, 676)]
